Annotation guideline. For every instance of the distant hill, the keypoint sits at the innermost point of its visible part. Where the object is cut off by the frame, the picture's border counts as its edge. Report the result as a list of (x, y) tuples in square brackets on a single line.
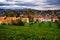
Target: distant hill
[(1, 10), (21, 10)]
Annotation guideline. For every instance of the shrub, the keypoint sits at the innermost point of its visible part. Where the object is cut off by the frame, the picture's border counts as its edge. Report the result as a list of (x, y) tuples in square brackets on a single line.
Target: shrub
[(58, 23), (19, 23), (1, 23), (49, 24), (10, 22)]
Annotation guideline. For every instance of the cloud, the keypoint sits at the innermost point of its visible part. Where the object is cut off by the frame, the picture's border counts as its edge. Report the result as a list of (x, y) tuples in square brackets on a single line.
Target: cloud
[(33, 4), (14, 7)]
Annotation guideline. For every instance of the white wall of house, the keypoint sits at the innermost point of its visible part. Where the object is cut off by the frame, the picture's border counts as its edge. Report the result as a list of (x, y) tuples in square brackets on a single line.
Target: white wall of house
[(46, 20), (42, 19), (27, 20), (39, 19), (55, 19), (0, 23)]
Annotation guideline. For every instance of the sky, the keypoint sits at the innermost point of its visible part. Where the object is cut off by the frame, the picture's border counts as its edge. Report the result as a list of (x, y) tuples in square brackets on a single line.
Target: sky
[(30, 4)]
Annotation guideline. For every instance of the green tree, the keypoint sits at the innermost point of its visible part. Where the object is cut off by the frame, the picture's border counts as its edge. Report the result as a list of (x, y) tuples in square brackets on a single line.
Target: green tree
[(10, 13), (29, 13)]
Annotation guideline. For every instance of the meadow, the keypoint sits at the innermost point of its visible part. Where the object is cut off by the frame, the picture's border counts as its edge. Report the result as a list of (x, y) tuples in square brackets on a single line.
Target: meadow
[(30, 32)]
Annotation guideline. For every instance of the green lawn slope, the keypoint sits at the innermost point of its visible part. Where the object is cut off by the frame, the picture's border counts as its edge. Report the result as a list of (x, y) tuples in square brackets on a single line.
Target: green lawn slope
[(32, 32)]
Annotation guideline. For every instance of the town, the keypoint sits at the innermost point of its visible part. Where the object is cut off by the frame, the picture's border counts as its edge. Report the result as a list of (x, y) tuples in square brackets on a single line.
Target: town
[(27, 15)]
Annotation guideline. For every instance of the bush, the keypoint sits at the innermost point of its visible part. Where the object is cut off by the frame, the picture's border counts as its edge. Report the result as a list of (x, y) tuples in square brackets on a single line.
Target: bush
[(19, 23), (49, 24), (58, 23), (14, 22)]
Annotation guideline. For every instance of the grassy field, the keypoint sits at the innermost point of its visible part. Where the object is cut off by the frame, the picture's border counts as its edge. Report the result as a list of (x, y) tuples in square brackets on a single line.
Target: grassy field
[(32, 32)]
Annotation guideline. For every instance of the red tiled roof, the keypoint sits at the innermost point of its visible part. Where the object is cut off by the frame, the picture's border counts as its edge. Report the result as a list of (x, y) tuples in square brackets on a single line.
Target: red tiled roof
[(7, 19), (46, 17), (3, 21), (55, 17), (37, 17)]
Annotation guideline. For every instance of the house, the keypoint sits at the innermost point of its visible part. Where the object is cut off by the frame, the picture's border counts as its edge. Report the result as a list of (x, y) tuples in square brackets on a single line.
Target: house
[(10, 19), (55, 18), (45, 18), (25, 20), (7, 19), (41, 18)]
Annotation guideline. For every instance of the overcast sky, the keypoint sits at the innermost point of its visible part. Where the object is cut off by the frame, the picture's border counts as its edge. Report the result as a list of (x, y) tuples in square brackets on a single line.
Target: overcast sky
[(33, 4)]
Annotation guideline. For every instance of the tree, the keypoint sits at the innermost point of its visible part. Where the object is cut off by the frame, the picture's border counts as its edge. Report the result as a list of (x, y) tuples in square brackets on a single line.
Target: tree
[(10, 13), (58, 21), (29, 13)]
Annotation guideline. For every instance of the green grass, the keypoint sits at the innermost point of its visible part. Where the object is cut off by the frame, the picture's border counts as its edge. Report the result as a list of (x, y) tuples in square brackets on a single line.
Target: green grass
[(33, 32)]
